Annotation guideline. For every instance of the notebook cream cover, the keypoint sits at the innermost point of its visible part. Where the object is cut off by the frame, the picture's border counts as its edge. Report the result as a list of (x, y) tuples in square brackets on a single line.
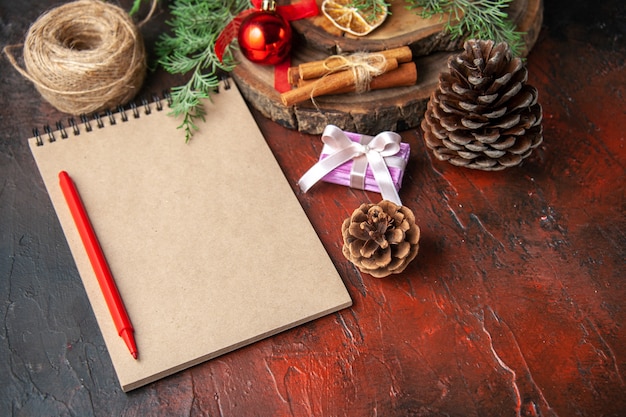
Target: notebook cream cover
[(208, 245)]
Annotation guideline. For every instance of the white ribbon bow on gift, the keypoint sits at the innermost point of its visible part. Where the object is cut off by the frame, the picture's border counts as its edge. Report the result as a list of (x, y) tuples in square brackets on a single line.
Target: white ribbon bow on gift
[(371, 153)]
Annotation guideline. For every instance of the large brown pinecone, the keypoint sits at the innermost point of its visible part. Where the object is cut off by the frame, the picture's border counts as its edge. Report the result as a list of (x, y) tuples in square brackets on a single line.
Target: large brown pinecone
[(482, 114), (380, 239)]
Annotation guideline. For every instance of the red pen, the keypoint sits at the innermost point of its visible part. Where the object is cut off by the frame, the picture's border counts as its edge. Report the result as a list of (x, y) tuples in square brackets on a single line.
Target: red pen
[(98, 262)]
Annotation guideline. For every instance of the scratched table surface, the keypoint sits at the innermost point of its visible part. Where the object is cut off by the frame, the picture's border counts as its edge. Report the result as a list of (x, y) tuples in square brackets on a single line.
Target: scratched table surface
[(515, 305)]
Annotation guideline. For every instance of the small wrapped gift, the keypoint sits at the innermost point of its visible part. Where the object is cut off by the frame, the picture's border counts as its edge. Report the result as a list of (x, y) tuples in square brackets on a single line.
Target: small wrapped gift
[(372, 163)]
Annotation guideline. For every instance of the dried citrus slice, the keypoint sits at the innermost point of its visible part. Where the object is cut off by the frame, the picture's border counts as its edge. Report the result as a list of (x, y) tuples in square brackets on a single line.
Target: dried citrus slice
[(355, 20)]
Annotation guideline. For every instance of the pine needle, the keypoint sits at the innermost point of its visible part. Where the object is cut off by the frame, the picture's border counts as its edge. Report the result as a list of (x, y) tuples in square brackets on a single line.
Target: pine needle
[(373, 8)]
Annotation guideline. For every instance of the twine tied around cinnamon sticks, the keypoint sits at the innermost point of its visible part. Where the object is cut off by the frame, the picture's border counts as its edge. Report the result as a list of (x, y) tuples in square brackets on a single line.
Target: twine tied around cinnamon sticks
[(358, 73), (364, 67), (84, 56)]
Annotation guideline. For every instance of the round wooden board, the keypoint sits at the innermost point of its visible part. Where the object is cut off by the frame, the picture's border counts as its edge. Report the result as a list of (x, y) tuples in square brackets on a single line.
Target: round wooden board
[(393, 109)]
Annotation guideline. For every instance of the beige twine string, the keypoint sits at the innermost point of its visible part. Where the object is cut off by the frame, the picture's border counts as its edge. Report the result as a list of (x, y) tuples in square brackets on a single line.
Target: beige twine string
[(84, 56), (364, 66)]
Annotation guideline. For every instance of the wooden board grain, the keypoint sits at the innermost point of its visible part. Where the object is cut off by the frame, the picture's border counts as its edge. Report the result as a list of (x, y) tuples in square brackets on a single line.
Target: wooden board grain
[(369, 113)]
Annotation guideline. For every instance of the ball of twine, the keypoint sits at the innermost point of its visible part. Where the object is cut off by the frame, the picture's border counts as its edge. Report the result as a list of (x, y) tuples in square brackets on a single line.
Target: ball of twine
[(85, 56)]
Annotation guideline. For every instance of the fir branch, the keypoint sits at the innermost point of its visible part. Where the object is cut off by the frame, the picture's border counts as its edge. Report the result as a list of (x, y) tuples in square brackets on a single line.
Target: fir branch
[(479, 19), (370, 9), (190, 49)]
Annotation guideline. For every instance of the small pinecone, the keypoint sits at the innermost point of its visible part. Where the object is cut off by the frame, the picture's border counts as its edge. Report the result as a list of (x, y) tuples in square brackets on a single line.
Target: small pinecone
[(380, 239), (483, 115)]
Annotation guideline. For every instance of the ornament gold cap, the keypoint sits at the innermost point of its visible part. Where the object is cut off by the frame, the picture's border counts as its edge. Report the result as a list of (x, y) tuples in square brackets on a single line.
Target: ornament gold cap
[(268, 5)]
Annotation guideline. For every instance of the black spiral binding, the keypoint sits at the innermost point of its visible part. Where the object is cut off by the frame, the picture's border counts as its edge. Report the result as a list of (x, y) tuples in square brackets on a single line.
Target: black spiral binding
[(100, 120)]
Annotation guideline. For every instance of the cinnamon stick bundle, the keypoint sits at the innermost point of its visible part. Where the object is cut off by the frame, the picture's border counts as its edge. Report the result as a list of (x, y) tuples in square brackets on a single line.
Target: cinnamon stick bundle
[(404, 75), (317, 69), (328, 84)]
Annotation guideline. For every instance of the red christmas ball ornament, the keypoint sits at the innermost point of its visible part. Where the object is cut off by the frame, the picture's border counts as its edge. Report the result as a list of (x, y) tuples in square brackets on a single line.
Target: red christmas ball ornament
[(265, 36)]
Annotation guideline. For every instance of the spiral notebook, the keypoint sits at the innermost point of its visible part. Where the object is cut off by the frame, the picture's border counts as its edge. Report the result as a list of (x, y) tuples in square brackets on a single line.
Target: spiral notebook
[(208, 245)]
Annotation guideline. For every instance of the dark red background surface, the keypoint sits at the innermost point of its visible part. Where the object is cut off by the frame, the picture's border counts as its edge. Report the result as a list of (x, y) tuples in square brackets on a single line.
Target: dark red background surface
[(514, 306)]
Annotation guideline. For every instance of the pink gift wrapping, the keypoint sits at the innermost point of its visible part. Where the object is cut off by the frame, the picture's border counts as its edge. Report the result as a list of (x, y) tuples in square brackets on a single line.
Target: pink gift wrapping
[(396, 164)]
